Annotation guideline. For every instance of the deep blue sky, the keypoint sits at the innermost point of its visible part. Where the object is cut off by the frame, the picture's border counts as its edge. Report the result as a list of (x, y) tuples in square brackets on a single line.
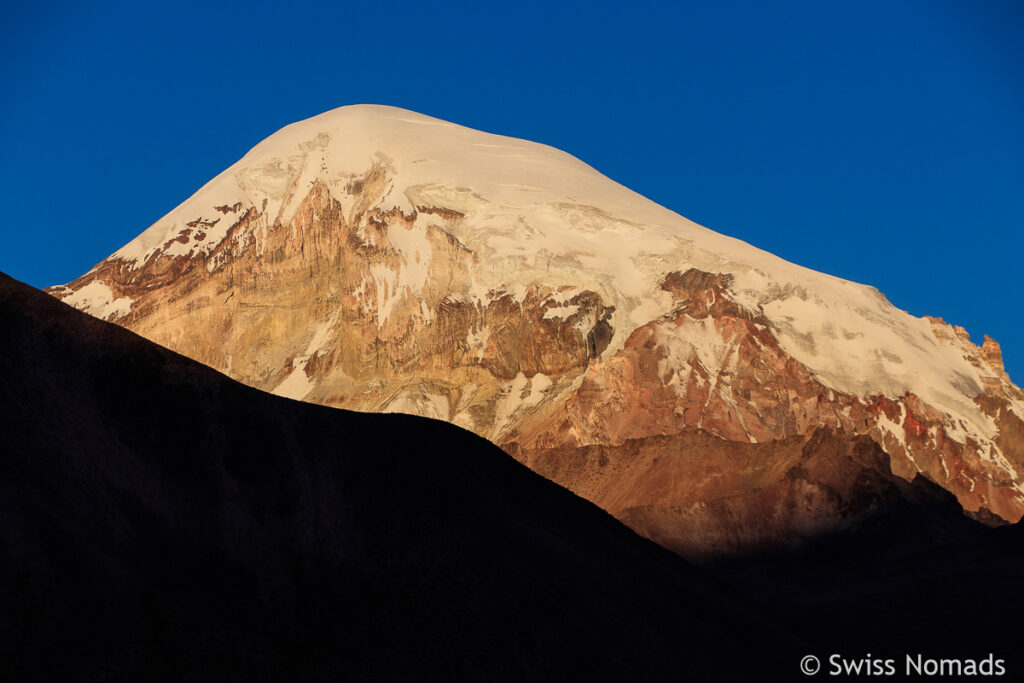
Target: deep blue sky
[(881, 142)]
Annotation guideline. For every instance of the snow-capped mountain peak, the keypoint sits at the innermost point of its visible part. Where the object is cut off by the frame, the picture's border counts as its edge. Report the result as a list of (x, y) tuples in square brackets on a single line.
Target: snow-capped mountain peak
[(375, 258)]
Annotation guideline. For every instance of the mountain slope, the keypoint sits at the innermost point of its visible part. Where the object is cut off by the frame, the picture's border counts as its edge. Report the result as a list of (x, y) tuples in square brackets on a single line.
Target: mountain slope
[(161, 521), (380, 260)]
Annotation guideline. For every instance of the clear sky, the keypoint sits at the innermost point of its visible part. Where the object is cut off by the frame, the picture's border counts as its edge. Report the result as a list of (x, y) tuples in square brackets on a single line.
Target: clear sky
[(882, 142)]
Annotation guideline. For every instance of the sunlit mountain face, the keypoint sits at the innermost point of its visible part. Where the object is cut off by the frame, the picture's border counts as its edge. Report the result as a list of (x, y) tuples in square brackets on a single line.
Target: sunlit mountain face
[(714, 397)]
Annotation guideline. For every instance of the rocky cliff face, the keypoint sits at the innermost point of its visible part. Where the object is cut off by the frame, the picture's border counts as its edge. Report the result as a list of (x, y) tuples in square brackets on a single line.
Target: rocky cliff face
[(709, 394)]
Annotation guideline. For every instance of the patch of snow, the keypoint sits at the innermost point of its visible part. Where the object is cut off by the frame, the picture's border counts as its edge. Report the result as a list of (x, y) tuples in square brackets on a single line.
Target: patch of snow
[(696, 340), (426, 313), (413, 244), (385, 281), (97, 299), (894, 430), (322, 333), (539, 385), (297, 384), (519, 394), (561, 312)]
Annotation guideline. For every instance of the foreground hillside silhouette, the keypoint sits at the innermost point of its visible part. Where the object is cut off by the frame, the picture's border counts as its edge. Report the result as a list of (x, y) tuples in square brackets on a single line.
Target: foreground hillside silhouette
[(161, 521)]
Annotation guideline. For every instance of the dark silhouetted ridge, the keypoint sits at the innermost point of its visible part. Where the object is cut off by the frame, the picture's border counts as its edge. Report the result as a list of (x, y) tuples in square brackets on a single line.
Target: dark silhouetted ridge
[(159, 521)]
